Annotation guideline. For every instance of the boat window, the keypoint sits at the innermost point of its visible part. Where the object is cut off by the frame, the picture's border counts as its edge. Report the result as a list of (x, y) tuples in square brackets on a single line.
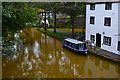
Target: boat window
[(68, 43), (65, 42), (73, 45), (84, 45), (77, 46), (81, 46)]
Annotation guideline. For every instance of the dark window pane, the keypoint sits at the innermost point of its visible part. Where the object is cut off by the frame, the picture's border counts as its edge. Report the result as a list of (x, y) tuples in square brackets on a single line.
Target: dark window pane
[(107, 41), (107, 22), (108, 6), (118, 45), (92, 6), (92, 20), (92, 38)]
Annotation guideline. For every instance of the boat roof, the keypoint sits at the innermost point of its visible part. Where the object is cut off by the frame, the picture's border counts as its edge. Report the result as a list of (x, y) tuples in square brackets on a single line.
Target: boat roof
[(74, 41)]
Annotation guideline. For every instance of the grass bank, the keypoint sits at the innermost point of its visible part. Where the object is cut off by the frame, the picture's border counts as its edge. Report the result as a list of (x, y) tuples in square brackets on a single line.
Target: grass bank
[(56, 35), (69, 29)]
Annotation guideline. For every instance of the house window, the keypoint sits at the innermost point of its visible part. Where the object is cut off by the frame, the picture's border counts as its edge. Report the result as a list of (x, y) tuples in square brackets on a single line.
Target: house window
[(92, 20), (108, 6), (107, 21), (107, 41), (118, 45), (92, 6), (92, 38)]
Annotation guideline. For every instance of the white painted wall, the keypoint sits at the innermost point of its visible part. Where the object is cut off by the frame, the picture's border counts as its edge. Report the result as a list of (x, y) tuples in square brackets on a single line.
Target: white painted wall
[(119, 19), (119, 23), (100, 13)]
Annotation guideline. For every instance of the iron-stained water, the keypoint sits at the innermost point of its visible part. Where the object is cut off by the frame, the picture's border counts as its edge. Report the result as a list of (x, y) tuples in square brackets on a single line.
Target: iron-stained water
[(44, 57)]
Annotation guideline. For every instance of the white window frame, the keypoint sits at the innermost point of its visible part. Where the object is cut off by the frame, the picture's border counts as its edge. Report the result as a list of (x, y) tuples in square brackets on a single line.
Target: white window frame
[(107, 40)]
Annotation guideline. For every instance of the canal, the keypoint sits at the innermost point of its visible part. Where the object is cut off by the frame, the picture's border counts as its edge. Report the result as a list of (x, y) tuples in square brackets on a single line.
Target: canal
[(44, 57)]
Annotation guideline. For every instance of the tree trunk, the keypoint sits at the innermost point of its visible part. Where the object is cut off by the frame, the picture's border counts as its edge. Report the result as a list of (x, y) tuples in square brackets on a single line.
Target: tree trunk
[(54, 22), (45, 22), (72, 23), (83, 32)]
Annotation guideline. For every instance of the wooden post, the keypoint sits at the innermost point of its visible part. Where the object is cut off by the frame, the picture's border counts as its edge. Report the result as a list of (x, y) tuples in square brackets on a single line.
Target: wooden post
[(54, 22), (72, 23)]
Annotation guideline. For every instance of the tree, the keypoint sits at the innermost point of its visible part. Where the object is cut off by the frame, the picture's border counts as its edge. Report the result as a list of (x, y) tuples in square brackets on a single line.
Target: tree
[(49, 7), (72, 9), (55, 10), (16, 15), (52, 7), (44, 6)]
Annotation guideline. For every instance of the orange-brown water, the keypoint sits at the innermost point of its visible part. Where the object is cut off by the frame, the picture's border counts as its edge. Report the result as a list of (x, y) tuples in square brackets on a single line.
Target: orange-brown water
[(44, 57)]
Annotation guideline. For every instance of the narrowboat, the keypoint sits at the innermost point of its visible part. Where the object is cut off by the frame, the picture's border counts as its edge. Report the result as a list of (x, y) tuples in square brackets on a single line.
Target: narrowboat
[(75, 45)]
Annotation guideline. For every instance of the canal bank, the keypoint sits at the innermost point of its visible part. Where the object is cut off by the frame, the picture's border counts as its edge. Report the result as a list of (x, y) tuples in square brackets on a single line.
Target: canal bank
[(105, 54), (94, 50), (50, 34)]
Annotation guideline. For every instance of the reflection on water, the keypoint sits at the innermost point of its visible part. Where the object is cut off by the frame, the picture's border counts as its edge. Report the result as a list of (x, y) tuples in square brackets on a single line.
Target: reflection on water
[(44, 57)]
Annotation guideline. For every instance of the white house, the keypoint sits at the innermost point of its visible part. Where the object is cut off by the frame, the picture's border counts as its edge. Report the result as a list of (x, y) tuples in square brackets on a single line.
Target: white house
[(103, 25), (48, 15)]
